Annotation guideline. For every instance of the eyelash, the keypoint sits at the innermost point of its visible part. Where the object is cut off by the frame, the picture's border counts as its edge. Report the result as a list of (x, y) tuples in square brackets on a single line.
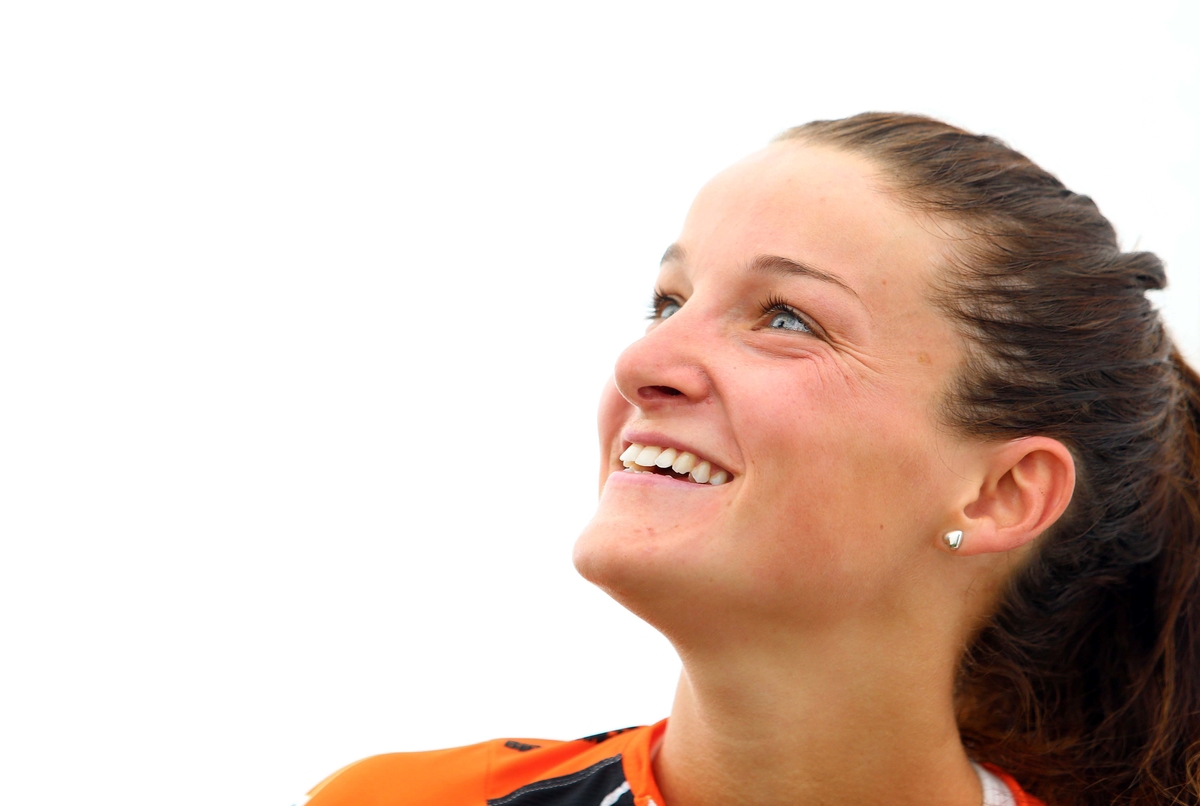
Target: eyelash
[(775, 304), (659, 301), (772, 304)]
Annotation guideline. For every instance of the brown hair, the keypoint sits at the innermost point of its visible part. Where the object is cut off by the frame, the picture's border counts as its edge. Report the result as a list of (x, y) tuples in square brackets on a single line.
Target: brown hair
[(1085, 684)]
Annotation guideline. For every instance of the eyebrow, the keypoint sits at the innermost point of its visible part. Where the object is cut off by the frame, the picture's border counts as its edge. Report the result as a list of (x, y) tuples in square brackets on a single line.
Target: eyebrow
[(770, 264), (675, 253), (775, 264)]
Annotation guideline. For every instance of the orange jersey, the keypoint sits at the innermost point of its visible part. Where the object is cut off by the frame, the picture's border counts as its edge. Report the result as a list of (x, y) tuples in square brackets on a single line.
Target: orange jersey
[(609, 769)]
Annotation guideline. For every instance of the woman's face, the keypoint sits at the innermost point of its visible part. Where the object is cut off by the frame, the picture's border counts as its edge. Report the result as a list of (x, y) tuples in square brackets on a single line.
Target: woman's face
[(796, 348)]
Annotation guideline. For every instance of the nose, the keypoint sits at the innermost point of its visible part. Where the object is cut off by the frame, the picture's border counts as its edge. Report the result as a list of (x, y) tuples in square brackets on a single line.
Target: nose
[(666, 367)]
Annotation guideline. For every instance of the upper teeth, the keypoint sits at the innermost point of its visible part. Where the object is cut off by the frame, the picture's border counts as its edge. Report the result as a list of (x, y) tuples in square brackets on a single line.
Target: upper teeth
[(682, 462)]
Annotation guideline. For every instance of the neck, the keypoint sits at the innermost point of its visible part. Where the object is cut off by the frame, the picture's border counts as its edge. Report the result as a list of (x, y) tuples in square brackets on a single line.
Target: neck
[(837, 718)]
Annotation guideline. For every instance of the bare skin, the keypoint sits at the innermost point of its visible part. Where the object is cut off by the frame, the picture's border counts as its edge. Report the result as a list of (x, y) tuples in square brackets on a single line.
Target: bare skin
[(818, 615)]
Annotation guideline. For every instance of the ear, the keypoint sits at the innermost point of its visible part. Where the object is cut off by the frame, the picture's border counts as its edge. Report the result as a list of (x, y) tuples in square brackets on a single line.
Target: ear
[(1026, 486)]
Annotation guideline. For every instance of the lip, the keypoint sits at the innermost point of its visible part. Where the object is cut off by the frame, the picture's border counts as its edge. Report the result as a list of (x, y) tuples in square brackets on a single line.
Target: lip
[(662, 441), (655, 480)]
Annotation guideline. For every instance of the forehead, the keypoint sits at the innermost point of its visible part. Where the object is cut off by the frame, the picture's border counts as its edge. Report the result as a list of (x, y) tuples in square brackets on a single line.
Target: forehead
[(818, 205)]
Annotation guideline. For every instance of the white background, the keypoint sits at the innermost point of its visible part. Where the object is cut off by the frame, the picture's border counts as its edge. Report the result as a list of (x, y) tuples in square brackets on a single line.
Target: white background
[(305, 307)]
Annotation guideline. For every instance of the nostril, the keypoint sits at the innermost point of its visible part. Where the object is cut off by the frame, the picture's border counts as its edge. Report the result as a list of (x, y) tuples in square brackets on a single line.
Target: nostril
[(650, 392)]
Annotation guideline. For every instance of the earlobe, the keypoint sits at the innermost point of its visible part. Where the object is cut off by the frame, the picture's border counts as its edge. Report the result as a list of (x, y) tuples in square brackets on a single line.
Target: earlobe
[(1026, 486)]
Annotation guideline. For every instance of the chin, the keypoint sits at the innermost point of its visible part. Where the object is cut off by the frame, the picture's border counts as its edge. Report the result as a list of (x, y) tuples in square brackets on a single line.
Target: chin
[(616, 556), (661, 573), (634, 585), (625, 557)]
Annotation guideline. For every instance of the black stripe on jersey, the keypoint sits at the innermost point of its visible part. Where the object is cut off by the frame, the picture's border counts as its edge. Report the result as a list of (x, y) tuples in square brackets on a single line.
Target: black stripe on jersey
[(590, 787), (597, 738)]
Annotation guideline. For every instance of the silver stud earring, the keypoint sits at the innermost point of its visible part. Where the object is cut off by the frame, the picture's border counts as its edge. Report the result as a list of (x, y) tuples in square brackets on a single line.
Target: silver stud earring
[(953, 539)]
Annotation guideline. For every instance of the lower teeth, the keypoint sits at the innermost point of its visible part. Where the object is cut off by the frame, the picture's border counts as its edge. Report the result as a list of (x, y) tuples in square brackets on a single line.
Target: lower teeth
[(715, 478), (673, 475)]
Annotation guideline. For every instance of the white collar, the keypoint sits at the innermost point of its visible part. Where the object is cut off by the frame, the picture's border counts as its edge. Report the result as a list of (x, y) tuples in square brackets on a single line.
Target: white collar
[(995, 791)]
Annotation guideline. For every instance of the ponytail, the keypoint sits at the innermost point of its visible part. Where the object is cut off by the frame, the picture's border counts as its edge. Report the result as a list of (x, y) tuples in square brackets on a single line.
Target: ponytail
[(1176, 744)]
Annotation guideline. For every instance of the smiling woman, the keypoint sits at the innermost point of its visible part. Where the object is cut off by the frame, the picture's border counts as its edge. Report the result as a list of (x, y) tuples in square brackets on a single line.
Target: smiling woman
[(905, 468)]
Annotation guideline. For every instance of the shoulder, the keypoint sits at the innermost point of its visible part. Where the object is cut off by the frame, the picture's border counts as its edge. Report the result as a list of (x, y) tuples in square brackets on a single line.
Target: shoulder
[(408, 779), (471, 775)]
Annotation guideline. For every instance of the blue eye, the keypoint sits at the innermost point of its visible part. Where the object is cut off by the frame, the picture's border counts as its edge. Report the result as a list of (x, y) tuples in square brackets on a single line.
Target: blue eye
[(784, 317), (788, 320), (662, 306)]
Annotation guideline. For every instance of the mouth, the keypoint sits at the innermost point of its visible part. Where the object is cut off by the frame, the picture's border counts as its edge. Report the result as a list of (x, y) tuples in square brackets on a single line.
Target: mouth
[(682, 465)]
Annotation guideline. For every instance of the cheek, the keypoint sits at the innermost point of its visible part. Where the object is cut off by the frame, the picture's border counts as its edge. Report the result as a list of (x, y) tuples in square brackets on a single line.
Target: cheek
[(614, 413), (846, 467)]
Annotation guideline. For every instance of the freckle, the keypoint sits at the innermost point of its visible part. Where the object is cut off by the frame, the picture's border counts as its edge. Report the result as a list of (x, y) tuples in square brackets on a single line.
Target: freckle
[(923, 358)]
